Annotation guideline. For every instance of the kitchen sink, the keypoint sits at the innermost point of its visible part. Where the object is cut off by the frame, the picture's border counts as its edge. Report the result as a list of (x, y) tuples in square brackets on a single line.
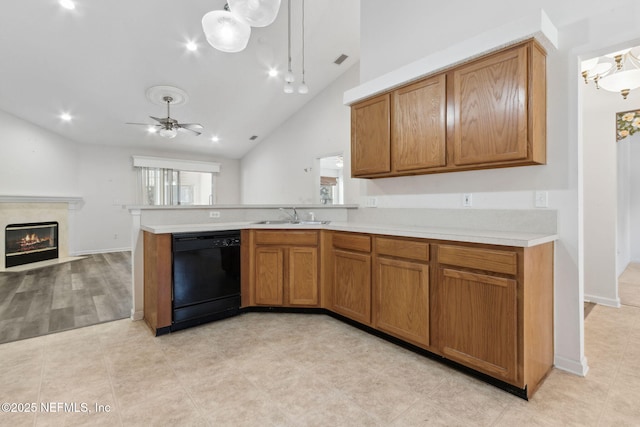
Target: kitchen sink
[(289, 222)]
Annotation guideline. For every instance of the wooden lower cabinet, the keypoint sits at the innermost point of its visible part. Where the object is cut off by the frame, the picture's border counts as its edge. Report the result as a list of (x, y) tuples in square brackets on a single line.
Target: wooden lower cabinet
[(269, 275), (479, 321), (157, 280), (351, 276), (352, 285), (285, 268), (303, 276), (401, 304), (493, 310), (402, 299)]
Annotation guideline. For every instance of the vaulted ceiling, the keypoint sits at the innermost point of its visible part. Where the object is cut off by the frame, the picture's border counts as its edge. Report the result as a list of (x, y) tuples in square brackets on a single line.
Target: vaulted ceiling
[(96, 63)]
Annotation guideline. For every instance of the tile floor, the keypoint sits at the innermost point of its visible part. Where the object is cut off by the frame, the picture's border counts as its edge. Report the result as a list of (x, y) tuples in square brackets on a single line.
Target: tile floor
[(629, 285), (262, 369)]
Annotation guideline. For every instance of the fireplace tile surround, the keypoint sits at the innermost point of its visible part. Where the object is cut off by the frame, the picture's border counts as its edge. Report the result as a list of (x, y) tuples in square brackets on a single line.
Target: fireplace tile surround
[(32, 209)]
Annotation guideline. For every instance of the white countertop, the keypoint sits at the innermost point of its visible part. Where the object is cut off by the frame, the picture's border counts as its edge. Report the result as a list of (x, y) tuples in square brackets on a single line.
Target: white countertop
[(504, 238)]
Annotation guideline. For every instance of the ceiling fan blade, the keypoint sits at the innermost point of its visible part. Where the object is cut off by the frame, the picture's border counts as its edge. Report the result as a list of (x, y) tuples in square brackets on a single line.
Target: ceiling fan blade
[(163, 120), (180, 127), (141, 124), (191, 126)]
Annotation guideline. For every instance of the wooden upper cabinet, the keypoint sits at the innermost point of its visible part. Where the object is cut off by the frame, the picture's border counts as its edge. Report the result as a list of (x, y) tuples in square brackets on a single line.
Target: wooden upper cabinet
[(370, 137), (418, 132), (490, 98), (488, 113)]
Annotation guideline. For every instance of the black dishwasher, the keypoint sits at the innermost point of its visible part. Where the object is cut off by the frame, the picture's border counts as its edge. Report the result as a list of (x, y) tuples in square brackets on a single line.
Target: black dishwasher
[(206, 277)]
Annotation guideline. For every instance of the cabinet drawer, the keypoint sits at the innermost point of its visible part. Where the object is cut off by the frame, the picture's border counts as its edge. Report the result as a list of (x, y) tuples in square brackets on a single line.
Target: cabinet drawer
[(286, 237), (402, 248), (354, 242), (481, 259)]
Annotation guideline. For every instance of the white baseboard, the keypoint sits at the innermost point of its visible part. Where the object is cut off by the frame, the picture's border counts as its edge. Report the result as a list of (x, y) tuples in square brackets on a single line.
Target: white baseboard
[(101, 251), (137, 315), (603, 301), (572, 366)]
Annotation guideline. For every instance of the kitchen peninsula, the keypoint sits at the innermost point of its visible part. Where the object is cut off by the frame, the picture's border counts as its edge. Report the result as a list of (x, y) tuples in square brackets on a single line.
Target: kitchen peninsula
[(479, 294)]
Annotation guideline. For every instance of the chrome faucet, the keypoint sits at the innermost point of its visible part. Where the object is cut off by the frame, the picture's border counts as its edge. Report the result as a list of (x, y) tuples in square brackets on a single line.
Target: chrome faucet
[(293, 217)]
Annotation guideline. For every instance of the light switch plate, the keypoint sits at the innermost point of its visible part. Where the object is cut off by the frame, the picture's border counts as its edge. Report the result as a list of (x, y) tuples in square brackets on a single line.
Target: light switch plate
[(542, 199), (372, 202), (214, 214)]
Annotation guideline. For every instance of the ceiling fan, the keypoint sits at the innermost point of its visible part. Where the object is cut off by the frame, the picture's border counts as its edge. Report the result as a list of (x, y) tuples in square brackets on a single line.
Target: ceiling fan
[(168, 127)]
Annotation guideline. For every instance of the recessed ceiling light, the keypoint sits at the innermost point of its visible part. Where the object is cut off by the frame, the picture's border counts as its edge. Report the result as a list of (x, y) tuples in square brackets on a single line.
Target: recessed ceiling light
[(67, 4), (273, 72), (215, 138), (192, 46), (151, 129), (66, 117)]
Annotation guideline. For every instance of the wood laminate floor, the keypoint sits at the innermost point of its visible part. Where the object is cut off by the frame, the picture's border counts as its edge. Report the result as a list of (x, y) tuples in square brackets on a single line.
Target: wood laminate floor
[(65, 296)]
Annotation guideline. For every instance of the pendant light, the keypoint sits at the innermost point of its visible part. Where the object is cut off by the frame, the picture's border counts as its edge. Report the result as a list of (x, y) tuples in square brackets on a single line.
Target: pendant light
[(303, 88), (257, 13), (226, 31), (288, 76)]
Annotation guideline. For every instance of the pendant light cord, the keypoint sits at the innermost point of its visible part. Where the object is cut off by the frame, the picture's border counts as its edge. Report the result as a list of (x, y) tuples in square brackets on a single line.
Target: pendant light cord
[(302, 41), (289, 32)]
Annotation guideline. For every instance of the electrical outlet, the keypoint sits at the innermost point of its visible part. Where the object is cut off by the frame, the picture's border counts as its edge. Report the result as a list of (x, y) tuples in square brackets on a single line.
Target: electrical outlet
[(372, 202), (542, 199), (467, 200), (214, 214)]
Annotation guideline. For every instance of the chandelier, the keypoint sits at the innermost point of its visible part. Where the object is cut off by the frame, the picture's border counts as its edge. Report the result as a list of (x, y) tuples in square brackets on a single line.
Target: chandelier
[(229, 30), (615, 72)]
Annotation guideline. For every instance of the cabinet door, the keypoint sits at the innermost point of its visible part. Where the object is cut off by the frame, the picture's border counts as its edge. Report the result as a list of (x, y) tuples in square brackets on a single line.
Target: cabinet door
[(478, 321), (370, 137), (269, 280), (419, 126), (303, 276), (352, 285), (490, 102), (402, 299)]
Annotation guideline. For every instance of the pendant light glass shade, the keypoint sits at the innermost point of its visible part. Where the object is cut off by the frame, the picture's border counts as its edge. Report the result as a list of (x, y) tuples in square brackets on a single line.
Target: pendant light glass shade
[(257, 13), (303, 89), (226, 31), (623, 82), (288, 87)]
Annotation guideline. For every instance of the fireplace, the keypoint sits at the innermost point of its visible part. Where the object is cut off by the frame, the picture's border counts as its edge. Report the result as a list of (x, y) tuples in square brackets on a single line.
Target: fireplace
[(32, 242)]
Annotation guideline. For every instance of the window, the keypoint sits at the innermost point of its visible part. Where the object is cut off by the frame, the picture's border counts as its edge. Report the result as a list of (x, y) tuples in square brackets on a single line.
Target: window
[(167, 182)]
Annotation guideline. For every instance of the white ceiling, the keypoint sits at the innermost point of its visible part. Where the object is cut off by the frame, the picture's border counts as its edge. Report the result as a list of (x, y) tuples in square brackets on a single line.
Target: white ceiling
[(97, 61)]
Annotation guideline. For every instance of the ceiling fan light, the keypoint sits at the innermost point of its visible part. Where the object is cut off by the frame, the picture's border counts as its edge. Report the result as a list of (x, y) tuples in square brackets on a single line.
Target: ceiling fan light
[(168, 133), (258, 13), (225, 31)]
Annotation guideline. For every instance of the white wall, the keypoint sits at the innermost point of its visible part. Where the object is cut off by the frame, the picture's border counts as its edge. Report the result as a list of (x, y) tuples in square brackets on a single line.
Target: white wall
[(600, 195), (634, 198), (35, 162), (38, 162), (274, 171), (623, 243)]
